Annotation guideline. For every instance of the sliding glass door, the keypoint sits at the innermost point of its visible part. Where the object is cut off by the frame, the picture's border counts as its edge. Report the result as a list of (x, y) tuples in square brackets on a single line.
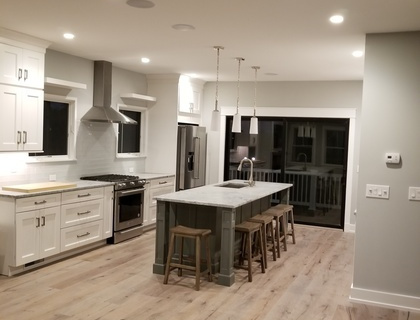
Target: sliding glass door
[(309, 153)]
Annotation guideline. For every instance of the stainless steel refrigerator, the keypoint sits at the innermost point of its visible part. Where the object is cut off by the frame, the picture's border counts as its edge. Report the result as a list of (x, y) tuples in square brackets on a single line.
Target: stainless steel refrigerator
[(191, 157)]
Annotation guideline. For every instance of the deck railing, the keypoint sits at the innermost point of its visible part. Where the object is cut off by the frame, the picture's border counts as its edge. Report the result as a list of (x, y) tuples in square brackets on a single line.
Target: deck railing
[(313, 189)]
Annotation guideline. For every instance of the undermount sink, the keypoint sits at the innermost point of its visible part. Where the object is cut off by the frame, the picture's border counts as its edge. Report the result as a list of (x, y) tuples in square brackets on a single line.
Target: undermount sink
[(233, 185)]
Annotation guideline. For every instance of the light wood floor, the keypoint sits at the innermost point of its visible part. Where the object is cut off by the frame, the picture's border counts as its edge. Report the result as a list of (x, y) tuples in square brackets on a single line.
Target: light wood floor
[(311, 281)]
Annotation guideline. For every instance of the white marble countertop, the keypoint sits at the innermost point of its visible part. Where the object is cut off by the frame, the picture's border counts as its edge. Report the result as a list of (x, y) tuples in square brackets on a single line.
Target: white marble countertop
[(151, 175), (214, 195), (80, 185)]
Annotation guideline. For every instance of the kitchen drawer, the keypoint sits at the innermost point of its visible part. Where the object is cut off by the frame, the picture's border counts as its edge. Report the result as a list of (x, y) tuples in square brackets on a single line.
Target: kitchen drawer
[(77, 213), (82, 195), (161, 182), (77, 236), (159, 191), (38, 202)]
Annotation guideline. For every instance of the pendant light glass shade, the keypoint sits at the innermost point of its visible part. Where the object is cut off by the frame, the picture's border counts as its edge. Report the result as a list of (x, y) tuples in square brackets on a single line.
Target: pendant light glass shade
[(215, 120), (215, 116), (236, 127), (253, 129)]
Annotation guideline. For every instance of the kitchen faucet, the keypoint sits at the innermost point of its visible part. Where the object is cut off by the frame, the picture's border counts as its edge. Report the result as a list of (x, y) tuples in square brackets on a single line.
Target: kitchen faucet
[(251, 181), (306, 159)]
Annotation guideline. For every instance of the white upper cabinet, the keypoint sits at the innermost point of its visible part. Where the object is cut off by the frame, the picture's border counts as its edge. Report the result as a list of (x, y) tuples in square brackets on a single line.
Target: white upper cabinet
[(21, 67), (21, 118)]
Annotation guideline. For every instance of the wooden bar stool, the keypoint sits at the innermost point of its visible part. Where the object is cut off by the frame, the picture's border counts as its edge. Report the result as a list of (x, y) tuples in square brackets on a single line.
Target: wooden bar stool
[(280, 228), (267, 228), (248, 230), (288, 211), (197, 234)]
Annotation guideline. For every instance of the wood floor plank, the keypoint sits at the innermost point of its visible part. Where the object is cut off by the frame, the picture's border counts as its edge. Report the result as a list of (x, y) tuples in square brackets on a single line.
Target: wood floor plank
[(310, 281)]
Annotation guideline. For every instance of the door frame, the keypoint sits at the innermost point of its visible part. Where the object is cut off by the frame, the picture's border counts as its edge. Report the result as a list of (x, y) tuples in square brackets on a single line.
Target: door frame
[(298, 112)]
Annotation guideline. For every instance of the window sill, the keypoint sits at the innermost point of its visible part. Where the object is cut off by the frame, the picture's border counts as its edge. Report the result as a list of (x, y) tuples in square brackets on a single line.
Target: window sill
[(130, 155), (47, 159)]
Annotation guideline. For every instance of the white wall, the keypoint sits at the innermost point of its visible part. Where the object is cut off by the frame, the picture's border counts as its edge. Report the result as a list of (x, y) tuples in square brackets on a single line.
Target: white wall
[(163, 124), (96, 143), (298, 99), (387, 248)]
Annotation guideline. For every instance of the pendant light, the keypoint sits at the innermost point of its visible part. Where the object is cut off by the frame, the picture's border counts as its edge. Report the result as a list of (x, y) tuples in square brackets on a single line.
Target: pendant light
[(215, 116), (253, 129), (236, 127)]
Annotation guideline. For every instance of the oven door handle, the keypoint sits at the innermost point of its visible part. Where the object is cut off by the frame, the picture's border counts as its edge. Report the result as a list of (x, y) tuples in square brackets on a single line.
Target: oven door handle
[(129, 192)]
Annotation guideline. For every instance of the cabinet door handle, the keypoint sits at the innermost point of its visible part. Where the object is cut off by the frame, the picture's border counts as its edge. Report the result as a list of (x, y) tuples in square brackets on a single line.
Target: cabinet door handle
[(43, 221), (19, 139), (83, 235), (25, 136), (25, 73), (37, 222), (82, 213), (40, 202), (163, 182), (20, 74), (83, 195)]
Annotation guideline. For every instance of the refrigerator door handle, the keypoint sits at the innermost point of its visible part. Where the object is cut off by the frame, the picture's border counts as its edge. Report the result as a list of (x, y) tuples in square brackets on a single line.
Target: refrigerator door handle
[(196, 159)]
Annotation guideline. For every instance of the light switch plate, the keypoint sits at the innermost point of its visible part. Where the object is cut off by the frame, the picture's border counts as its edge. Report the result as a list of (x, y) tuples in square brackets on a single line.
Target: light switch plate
[(377, 191), (414, 193)]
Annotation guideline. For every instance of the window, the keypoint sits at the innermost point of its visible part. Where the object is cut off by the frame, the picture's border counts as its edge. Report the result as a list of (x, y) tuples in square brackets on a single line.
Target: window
[(130, 142), (334, 146), (59, 128), (301, 147)]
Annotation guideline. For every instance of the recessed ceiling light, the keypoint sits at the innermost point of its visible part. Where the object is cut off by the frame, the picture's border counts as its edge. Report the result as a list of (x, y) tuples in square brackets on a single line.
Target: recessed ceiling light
[(183, 27), (145, 60), (68, 36), (357, 53), (142, 4), (336, 19)]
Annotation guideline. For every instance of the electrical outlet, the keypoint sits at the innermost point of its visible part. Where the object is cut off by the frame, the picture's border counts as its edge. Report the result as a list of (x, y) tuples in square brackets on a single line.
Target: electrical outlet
[(130, 170), (53, 177), (377, 191), (414, 193)]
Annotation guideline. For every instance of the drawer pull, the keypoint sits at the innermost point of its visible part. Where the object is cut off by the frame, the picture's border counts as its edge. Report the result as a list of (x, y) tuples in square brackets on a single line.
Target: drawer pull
[(83, 235), (163, 182), (40, 202), (83, 195), (82, 213)]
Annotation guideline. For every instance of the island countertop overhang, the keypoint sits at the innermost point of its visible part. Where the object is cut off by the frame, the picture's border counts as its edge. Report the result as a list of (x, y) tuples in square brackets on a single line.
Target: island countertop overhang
[(217, 196)]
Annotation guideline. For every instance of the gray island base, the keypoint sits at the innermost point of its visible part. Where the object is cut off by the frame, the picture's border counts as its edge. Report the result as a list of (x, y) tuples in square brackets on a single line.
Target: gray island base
[(216, 207)]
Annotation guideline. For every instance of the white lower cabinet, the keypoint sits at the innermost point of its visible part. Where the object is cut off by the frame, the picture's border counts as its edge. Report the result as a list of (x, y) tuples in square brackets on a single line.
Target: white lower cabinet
[(80, 235), (36, 227), (82, 215), (156, 187), (37, 234)]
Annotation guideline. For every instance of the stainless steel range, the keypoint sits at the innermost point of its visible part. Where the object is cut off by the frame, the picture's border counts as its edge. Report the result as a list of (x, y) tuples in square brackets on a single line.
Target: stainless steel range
[(128, 204)]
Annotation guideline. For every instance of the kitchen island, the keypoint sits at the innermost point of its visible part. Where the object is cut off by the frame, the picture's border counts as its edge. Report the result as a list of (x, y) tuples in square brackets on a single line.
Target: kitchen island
[(217, 207)]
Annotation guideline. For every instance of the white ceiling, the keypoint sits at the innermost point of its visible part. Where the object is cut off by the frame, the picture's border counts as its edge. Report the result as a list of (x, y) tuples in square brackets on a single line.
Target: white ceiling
[(289, 39)]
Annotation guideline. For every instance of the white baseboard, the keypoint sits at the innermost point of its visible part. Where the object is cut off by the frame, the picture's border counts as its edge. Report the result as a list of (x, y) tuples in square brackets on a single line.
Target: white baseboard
[(385, 299), (349, 227)]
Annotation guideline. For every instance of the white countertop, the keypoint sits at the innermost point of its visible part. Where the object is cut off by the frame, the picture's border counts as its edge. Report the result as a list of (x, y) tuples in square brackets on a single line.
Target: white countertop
[(150, 176), (80, 185), (214, 195)]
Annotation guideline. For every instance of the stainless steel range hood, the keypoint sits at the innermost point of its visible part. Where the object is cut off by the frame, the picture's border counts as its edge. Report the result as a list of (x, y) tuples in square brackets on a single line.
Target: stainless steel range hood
[(102, 90)]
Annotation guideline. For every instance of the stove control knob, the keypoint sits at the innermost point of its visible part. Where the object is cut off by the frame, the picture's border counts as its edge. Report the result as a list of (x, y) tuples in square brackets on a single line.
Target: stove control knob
[(121, 185), (132, 183)]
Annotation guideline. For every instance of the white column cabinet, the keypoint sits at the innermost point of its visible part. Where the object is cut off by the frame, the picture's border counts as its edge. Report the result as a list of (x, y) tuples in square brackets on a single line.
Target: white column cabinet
[(21, 118), (21, 67)]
